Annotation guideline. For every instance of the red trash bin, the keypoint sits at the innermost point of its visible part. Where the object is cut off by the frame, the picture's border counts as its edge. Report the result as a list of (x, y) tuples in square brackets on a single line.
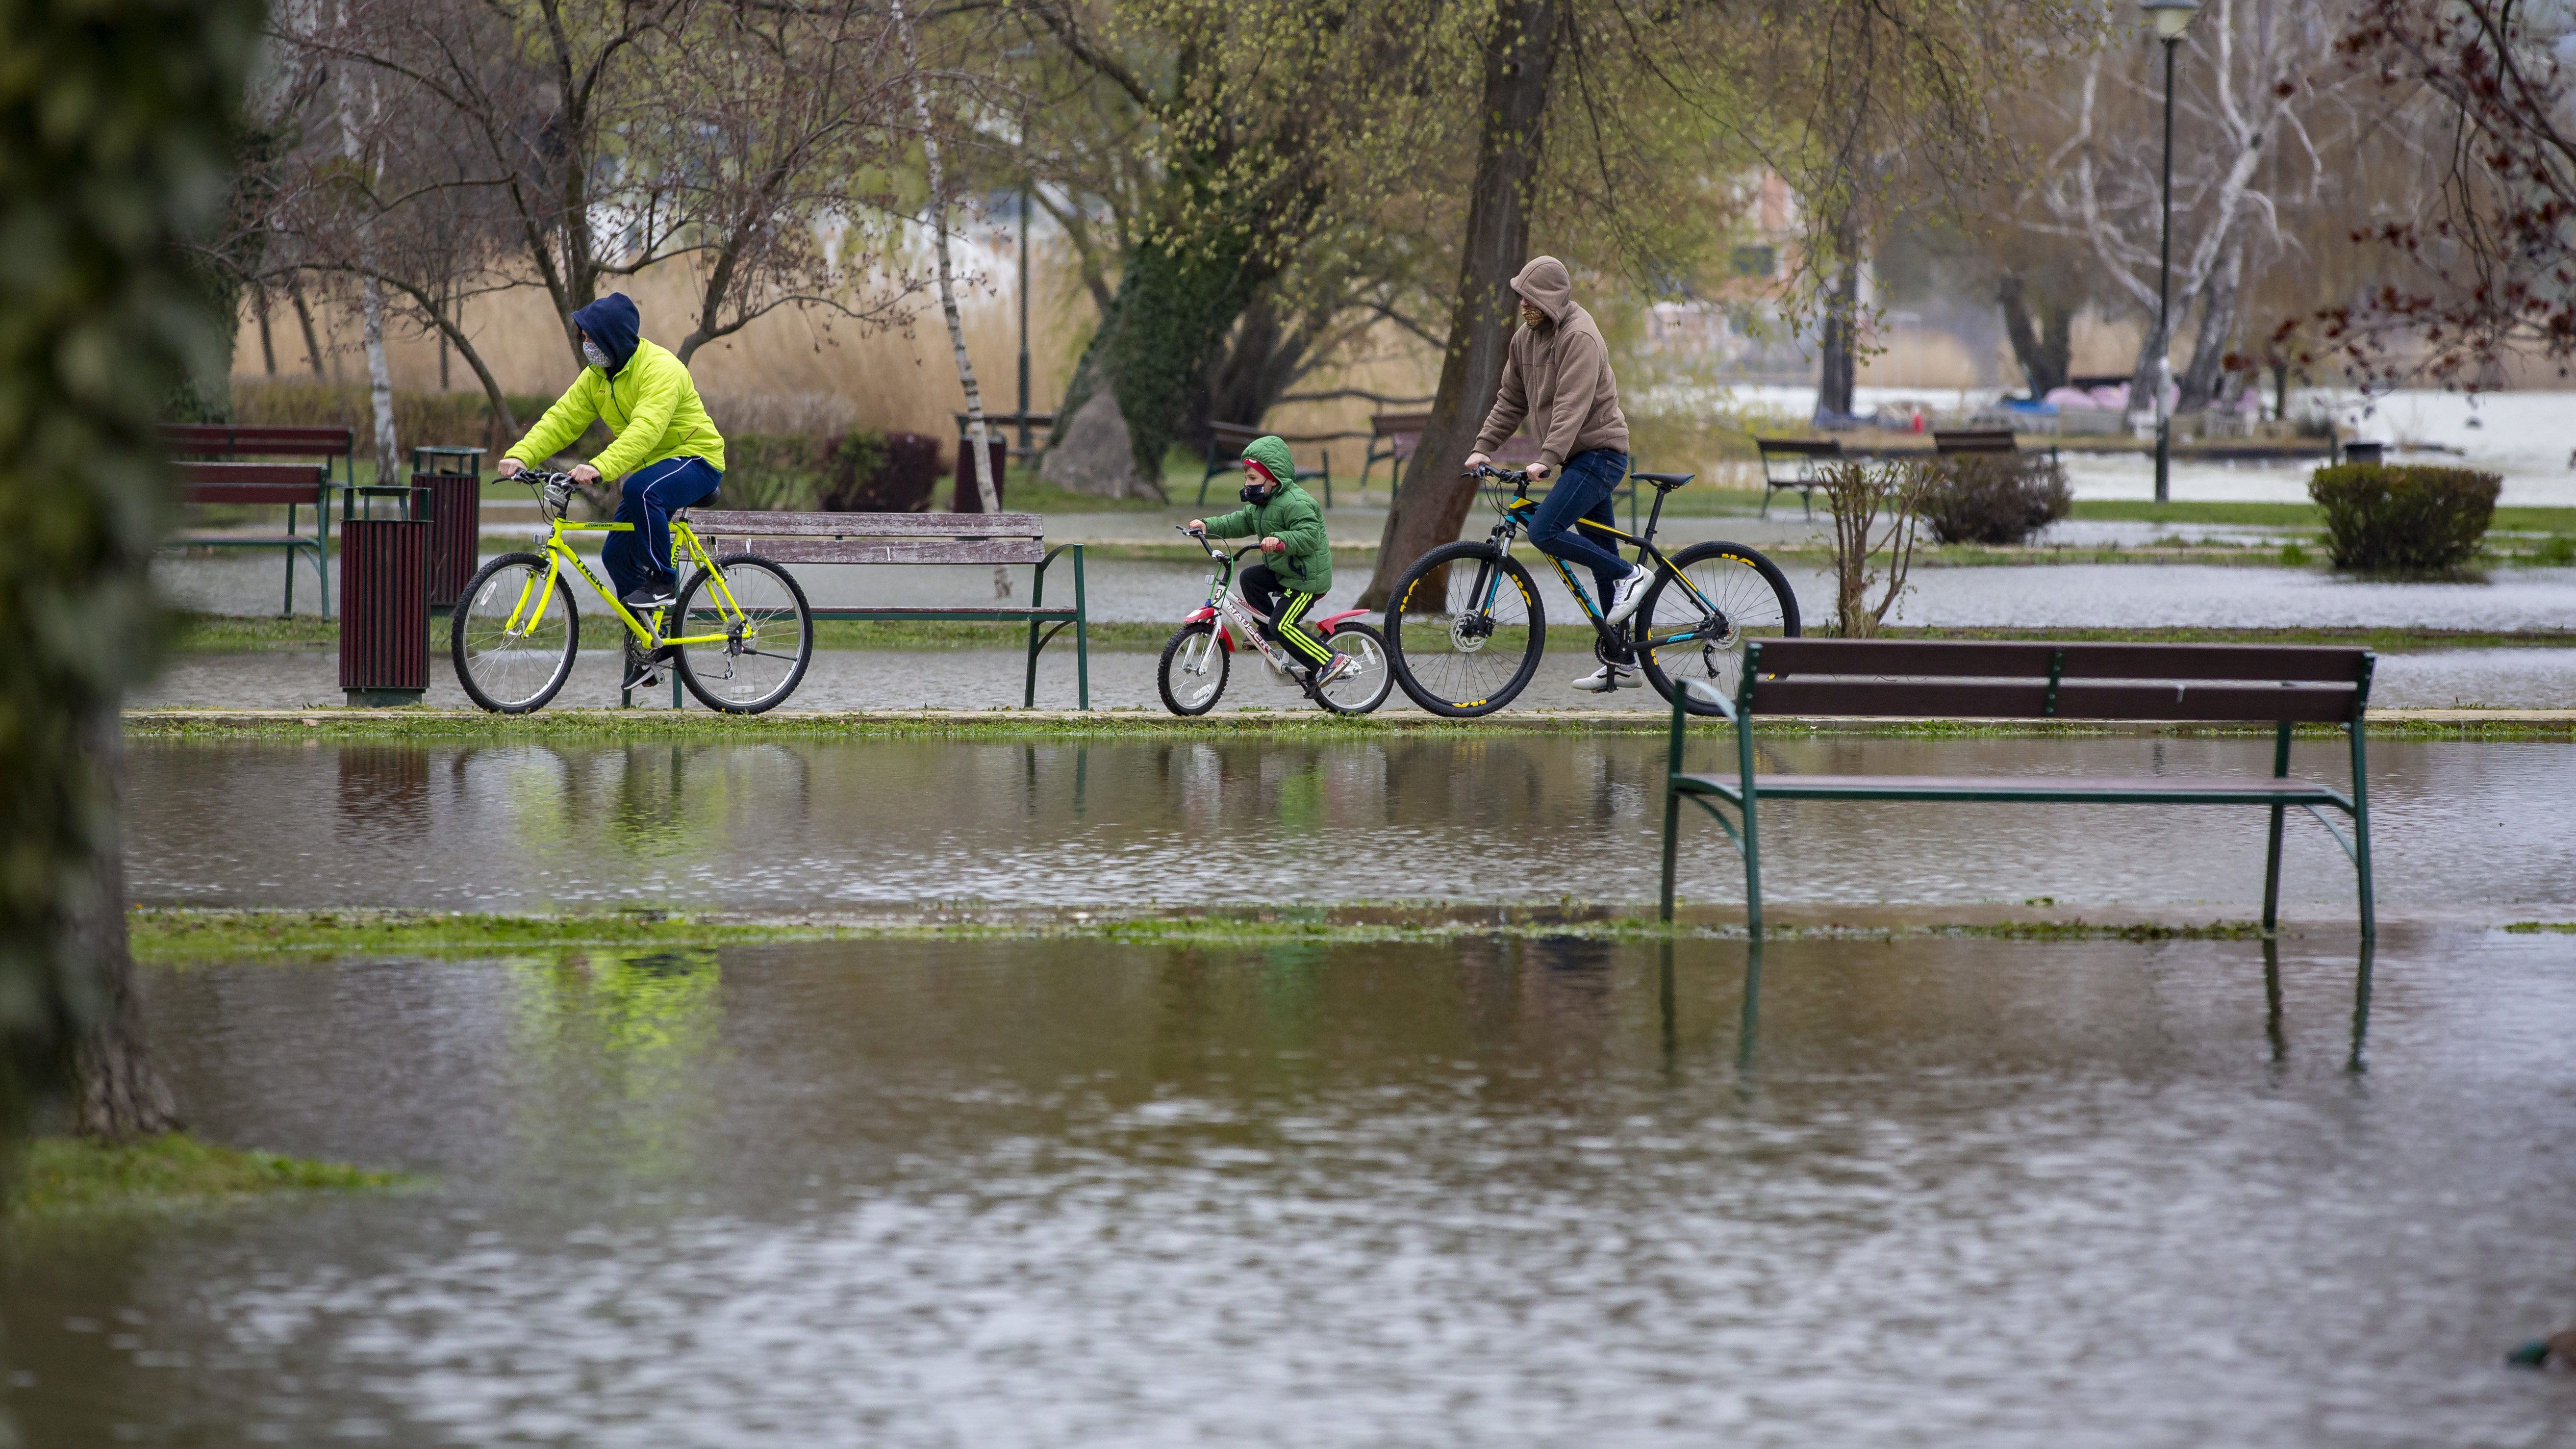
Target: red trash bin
[(384, 599)]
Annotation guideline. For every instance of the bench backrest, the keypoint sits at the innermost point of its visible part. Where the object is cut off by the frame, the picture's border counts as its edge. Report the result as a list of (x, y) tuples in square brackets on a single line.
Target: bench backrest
[(878, 538), (2011, 679), (1974, 440), (257, 441), (1227, 440), (253, 482), (1800, 447), (1398, 425)]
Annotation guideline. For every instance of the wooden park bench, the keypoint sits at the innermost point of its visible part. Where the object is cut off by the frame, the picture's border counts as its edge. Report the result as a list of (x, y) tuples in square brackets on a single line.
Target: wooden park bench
[(1803, 459), (1392, 436), (919, 538), (1949, 441), (2230, 683), (266, 485), (1226, 442)]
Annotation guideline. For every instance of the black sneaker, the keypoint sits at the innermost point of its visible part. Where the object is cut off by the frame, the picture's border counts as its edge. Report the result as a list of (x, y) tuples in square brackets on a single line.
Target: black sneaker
[(648, 597), (641, 672)]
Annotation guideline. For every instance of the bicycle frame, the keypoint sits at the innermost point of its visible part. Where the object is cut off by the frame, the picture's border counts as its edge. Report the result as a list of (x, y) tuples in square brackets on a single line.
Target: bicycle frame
[(1234, 615), (558, 553), (1517, 514)]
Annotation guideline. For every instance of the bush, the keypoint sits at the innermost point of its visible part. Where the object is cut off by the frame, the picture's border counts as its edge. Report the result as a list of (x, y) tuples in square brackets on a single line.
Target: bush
[(1994, 497), (2410, 518), (882, 473)]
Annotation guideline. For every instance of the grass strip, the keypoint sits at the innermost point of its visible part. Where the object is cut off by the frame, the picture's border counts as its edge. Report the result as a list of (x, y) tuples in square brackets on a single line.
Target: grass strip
[(182, 936), (2536, 928), (69, 1177)]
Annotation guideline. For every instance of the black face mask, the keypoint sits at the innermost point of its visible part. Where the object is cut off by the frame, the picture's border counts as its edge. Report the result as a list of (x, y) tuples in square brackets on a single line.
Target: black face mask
[(1255, 493)]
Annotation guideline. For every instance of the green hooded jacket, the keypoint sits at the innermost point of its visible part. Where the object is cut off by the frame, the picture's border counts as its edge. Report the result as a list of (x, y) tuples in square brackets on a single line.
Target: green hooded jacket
[(1289, 514)]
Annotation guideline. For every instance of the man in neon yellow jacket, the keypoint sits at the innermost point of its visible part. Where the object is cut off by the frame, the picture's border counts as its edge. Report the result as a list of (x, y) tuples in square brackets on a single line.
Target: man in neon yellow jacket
[(666, 448)]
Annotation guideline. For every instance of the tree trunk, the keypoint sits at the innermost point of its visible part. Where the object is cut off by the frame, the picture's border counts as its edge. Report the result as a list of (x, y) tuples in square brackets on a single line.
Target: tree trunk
[(2207, 371), (122, 1096), (977, 437), (304, 319), (371, 297), (1236, 390), (1432, 502), (1839, 368), (2043, 343), (267, 342)]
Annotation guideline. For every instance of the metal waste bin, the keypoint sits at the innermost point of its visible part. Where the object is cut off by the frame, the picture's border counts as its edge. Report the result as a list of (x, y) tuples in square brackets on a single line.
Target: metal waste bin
[(454, 478), (384, 596), (969, 498)]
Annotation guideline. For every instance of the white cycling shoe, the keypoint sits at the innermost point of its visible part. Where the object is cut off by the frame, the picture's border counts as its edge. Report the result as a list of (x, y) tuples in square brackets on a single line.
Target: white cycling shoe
[(1626, 596), (1610, 677)]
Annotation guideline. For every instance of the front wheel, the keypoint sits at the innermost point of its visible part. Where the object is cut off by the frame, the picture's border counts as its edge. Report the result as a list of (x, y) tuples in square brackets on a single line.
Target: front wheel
[(511, 638), (1464, 629), (1370, 680), (1734, 596), (1193, 670), (743, 634)]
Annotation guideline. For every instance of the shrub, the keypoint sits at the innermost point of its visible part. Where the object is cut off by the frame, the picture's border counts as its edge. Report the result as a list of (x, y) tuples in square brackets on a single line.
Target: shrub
[(1994, 497), (2384, 517), (882, 473), (1878, 514)]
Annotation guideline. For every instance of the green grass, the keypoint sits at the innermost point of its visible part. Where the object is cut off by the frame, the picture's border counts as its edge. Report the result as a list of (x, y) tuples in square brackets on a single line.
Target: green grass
[(165, 934), (69, 1177), (2535, 928), (2290, 515)]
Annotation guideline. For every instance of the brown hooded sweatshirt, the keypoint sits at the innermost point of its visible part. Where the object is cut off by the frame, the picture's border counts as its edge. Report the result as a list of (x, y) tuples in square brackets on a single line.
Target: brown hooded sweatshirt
[(1558, 374)]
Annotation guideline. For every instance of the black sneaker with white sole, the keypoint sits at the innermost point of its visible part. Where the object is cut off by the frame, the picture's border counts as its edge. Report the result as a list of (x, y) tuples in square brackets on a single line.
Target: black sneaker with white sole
[(648, 597)]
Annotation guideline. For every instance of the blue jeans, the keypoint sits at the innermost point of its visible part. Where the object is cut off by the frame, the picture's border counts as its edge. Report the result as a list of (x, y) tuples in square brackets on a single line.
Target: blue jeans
[(1583, 489), (643, 555)]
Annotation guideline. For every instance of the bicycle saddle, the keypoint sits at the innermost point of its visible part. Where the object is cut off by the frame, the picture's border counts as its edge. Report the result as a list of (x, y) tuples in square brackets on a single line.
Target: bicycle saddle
[(1665, 482)]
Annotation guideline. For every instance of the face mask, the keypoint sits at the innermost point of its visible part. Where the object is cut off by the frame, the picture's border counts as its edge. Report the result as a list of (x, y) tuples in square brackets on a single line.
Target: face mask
[(1255, 492), (597, 358)]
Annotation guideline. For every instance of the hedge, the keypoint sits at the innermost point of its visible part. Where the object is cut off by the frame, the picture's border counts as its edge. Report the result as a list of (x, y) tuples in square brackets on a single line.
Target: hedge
[(2380, 516)]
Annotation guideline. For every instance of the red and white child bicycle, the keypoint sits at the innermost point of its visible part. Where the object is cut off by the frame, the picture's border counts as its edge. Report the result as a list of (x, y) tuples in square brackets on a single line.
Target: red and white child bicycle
[(1193, 672)]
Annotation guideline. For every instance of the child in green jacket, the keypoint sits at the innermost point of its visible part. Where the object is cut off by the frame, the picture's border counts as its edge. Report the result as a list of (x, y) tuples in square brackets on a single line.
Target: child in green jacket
[(1300, 567)]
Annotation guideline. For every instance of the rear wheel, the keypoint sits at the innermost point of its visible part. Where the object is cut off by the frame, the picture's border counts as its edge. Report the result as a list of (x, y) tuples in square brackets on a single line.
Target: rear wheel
[(1370, 680), (757, 635), (1464, 630), (1740, 596), (513, 647), (1193, 670)]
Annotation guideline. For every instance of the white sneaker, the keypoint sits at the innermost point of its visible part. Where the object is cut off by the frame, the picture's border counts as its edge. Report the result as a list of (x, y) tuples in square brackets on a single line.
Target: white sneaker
[(1609, 677), (1624, 598)]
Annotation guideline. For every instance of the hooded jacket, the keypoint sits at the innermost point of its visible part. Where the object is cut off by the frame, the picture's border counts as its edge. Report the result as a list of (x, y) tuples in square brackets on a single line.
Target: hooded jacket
[(1558, 373), (647, 398), (1289, 514)]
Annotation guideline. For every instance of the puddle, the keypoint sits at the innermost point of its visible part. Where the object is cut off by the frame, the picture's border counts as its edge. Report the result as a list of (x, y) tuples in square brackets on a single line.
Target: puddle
[(1487, 1192), (820, 824)]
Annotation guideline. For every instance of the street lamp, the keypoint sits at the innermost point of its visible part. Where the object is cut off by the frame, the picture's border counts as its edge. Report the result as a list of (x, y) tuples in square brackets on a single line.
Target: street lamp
[(2171, 18)]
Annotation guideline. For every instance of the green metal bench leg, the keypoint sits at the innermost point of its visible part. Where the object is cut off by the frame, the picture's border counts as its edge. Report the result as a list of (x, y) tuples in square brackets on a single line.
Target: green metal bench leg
[(1672, 836), (2272, 858), (1037, 600), (1752, 841), (291, 552), (1081, 636), (2361, 831)]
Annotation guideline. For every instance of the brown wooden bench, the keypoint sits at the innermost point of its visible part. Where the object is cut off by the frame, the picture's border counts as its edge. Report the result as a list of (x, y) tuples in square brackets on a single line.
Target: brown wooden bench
[(1226, 442), (1804, 458), (266, 485), (1392, 436), (918, 538), (2286, 685), (261, 440), (1949, 441)]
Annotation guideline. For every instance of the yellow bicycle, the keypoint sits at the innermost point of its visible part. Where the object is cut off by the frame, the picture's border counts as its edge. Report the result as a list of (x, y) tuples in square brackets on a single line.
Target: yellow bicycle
[(515, 631)]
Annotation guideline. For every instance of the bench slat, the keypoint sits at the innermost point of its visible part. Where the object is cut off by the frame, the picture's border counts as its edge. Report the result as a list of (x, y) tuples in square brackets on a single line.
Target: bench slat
[(266, 493), (304, 474), (2029, 659), (888, 550), (737, 523), (2076, 699), (2136, 789), (288, 441)]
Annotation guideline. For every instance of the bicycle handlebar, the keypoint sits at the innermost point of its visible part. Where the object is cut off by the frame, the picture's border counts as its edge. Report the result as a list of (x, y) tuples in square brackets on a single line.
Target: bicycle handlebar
[(1488, 470), (1210, 545)]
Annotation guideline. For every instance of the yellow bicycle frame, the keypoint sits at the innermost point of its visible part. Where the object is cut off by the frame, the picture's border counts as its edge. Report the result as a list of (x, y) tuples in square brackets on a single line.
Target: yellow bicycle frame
[(559, 553)]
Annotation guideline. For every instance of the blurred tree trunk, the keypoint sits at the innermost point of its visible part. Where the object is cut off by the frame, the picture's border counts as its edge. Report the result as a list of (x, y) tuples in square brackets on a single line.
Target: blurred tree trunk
[(2207, 371), (1432, 502), (2043, 340), (122, 1096), (1840, 366)]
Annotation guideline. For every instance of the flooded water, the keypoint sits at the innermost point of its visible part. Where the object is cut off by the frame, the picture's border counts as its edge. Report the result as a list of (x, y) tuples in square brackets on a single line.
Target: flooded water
[(2459, 828), (1491, 1193)]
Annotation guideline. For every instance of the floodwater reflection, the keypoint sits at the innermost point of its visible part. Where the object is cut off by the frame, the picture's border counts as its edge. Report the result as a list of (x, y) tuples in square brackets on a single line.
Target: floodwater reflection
[(1494, 1190), (826, 824)]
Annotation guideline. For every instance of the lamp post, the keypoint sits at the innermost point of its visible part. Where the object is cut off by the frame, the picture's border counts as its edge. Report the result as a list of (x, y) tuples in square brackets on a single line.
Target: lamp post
[(2171, 19), (1024, 317)]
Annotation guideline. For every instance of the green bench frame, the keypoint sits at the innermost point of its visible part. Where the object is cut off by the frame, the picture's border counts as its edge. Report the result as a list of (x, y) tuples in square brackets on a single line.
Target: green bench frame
[(917, 538), (2287, 685), (1226, 442)]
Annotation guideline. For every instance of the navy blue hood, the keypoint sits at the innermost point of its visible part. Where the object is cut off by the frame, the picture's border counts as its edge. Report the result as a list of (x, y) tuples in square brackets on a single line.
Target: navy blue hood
[(613, 323)]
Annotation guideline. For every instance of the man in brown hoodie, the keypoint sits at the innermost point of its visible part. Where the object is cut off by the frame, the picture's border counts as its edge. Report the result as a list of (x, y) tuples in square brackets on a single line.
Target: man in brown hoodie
[(1557, 370)]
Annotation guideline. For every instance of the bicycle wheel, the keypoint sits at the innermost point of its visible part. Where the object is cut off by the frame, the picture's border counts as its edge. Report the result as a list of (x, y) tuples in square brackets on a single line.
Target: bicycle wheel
[(512, 649), (1366, 687), (763, 635), (1193, 670), (1745, 598), (1464, 640)]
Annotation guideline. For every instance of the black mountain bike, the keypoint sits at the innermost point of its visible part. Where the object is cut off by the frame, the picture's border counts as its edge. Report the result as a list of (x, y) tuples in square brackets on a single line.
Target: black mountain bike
[(1465, 628)]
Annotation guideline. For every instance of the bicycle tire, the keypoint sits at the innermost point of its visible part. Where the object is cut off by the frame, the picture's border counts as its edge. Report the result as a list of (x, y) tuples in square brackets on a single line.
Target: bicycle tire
[(1439, 653), (1221, 663), (1370, 692), (462, 622), (695, 661), (1752, 594)]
